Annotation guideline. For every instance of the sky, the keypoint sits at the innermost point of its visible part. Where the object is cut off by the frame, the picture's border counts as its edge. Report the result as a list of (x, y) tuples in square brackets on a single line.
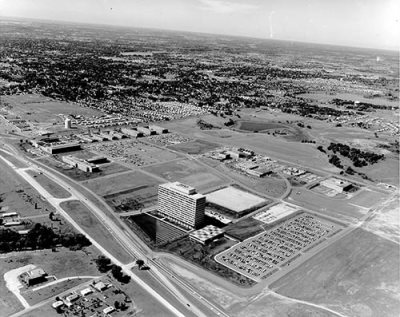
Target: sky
[(360, 23)]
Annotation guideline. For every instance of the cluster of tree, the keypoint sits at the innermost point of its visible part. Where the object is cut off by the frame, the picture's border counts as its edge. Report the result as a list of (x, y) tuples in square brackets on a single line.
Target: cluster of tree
[(335, 160), (104, 265), (360, 106), (39, 237), (308, 141), (321, 149), (358, 157)]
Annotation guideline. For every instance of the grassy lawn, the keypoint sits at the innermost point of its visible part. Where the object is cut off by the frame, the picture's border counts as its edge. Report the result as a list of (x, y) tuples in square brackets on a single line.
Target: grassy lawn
[(357, 276), (95, 229), (53, 188)]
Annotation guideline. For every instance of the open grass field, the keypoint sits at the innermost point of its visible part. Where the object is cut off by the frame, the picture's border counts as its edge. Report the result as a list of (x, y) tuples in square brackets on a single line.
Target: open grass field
[(187, 172), (244, 229), (357, 276), (273, 306), (40, 109), (78, 175), (114, 184), (95, 229), (53, 188), (62, 263), (194, 147), (257, 126), (341, 208)]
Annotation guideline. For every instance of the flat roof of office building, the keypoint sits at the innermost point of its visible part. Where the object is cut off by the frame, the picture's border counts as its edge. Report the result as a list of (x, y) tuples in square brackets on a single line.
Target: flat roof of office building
[(234, 199)]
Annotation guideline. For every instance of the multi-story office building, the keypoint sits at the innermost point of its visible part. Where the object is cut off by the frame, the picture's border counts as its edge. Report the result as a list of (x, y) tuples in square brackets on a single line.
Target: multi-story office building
[(181, 204)]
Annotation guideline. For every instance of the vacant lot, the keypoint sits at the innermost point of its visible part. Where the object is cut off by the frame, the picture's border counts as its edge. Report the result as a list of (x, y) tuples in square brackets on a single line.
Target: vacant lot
[(78, 175), (187, 172), (357, 276), (95, 229), (271, 306), (17, 195), (114, 184), (53, 188), (342, 208), (194, 147)]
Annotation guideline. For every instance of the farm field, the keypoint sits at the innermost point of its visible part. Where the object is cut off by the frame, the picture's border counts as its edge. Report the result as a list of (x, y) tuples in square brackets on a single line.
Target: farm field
[(53, 188), (133, 152), (357, 276), (95, 229), (78, 175), (187, 172), (63, 263)]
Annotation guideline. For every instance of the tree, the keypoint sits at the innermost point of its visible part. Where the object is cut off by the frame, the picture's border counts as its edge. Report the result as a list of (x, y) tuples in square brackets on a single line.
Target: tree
[(140, 263), (103, 264)]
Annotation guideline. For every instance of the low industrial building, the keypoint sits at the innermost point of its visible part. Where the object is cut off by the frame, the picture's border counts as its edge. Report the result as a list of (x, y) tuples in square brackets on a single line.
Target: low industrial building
[(158, 129), (60, 148), (86, 291), (83, 165), (207, 234), (276, 213), (146, 131), (235, 201), (100, 286), (34, 276), (336, 184), (132, 132)]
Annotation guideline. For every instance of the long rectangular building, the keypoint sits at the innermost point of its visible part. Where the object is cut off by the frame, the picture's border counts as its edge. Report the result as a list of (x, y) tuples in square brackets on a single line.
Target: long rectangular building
[(181, 204)]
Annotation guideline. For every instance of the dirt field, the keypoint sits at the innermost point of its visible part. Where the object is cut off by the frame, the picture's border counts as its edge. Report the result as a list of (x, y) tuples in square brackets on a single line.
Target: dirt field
[(357, 276), (114, 184), (95, 229), (53, 188), (63, 263), (187, 172)]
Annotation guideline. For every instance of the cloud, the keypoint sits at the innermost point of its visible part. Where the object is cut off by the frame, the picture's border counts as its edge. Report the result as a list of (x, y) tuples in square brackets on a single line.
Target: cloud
[(224, 6)]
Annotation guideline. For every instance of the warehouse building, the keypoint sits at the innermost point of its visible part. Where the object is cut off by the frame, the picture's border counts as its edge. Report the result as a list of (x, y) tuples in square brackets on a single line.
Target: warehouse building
[(336, 184), (80, 164), (60, 148)]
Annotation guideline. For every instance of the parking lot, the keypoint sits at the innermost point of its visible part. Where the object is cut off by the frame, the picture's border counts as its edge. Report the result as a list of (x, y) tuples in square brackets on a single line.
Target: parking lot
[(258, 257)]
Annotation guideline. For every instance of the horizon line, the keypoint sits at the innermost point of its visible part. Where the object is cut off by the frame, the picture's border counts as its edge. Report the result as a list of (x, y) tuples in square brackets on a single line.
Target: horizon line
[(394, 49)]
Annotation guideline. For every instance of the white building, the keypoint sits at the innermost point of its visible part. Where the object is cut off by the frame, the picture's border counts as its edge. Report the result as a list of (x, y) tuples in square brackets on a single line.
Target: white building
[(181, 204)]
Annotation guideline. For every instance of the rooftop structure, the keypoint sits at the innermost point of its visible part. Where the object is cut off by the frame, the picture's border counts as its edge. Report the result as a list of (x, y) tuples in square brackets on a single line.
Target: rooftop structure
[(83, 165), (275, 213), (61, 147), (34, 276), (206, 234), (181, 204), (234, 199), (336, 184)]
